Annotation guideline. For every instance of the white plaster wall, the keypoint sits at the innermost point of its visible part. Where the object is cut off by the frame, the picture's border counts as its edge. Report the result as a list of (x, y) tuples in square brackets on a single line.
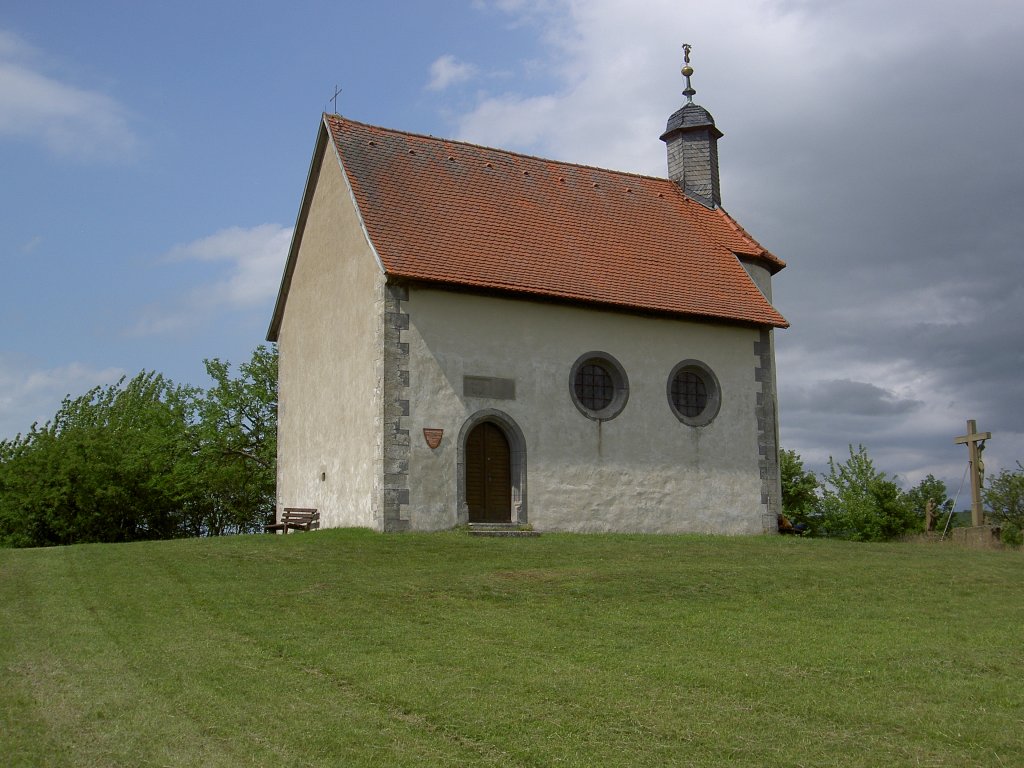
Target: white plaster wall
[(762, 277), (642, 471), (330, 400)]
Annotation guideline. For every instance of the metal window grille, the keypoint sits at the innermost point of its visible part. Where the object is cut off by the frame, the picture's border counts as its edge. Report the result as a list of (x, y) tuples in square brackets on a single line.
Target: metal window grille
[(689, 394), (595, 388)]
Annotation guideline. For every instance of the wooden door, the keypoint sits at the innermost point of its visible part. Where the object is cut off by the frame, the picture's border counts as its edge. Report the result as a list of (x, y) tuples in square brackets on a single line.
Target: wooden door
[(488, 475)]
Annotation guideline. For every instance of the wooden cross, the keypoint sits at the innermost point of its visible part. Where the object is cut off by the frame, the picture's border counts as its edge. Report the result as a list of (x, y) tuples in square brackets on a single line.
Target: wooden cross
[(975, 441)]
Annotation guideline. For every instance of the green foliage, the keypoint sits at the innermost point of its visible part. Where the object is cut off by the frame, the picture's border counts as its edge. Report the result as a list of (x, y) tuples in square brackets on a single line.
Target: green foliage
[(102, 470), (1004, 497), (863, 504), (933, 490), (146, 459), (1012, 536), (237, 453), (800, 500)]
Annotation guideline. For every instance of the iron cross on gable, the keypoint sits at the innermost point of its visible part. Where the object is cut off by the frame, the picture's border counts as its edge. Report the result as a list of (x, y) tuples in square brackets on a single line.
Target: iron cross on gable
[(975, 442)]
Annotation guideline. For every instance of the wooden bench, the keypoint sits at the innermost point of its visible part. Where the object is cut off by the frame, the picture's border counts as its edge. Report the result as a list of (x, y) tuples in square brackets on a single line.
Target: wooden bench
[(296, 519)]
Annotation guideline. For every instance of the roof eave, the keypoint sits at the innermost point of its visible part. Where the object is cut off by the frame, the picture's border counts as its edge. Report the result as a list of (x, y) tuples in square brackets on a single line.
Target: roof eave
[(545, 296), (768, 260)]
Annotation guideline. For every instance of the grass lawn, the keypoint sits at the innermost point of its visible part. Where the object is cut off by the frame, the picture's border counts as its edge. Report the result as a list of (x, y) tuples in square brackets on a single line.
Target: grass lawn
[(347, 648)]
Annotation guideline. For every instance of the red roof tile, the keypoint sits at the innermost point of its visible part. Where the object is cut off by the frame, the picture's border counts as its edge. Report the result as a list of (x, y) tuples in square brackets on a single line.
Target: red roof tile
[(465, 215)]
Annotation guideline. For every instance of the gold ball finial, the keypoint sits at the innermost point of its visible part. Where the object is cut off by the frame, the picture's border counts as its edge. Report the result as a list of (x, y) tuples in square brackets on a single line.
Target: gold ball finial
[(687, 70)]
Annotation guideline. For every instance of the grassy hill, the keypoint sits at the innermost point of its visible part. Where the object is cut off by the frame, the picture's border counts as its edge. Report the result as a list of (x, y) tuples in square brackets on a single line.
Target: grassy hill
[(347, 648)]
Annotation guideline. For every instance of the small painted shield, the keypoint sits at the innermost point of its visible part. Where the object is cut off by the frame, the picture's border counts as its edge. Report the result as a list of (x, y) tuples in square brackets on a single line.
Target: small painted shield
[(433, 436)]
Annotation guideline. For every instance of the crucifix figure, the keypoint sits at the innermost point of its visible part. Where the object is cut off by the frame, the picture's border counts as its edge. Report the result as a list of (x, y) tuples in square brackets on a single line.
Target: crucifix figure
[(975, 441)]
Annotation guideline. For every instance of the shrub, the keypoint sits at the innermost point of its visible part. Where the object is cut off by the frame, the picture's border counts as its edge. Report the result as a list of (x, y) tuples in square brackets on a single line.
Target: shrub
[(863, 504)]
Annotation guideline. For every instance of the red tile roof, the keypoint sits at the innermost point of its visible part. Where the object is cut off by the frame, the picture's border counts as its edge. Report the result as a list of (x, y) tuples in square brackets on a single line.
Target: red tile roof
[(464, 215)]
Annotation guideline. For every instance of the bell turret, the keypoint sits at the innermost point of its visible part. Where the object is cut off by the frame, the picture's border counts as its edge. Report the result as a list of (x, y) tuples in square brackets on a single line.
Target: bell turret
[(691, 139)]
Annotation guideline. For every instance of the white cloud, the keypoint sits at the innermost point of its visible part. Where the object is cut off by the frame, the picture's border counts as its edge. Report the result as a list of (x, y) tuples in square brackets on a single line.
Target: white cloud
[(447, 71), (32, 244), (247, 266), (255, 255), (12, 46), (619, 76), (69, 120), (29, 394), (511, 121)]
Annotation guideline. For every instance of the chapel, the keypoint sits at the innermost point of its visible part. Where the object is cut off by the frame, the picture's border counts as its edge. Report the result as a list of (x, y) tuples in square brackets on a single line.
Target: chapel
[(468, 334)]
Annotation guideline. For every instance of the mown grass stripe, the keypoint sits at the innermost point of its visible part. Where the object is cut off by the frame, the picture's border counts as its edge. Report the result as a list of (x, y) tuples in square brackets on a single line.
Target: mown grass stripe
[(347, 647)]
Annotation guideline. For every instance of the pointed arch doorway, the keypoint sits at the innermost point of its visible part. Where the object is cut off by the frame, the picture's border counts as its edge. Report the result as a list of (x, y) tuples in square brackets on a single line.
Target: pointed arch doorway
[(501, 446), (488, 474)]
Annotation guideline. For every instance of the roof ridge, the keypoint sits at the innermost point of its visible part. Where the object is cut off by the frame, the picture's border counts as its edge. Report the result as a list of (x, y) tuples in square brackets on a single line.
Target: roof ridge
[(736, 226), (499, 150)]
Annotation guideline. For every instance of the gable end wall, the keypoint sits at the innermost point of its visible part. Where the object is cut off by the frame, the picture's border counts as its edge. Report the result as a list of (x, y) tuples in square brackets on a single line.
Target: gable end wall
[(331, 403)]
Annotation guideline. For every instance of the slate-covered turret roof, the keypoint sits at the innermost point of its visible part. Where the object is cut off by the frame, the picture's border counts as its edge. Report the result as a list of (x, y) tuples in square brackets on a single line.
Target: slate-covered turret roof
[(690, 115)]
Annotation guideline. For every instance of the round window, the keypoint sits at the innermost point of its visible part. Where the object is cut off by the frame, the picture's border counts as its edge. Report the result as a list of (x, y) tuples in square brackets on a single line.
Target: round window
[(594, 386), (598, 386), (693, 393)]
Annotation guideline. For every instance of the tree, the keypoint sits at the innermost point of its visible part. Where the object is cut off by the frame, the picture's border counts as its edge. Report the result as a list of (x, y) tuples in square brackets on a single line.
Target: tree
[(862, 503), (102, 470), (800, 500), (147, 459), (1004, 497), (933, 490), (237, 447)]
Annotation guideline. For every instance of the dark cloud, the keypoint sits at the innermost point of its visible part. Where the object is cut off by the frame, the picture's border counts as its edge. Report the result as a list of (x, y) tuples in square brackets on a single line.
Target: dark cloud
[(900, 217), (850, 398)]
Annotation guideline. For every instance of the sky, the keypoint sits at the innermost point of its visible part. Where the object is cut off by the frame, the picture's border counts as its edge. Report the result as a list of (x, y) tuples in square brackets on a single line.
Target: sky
[(153, 157)]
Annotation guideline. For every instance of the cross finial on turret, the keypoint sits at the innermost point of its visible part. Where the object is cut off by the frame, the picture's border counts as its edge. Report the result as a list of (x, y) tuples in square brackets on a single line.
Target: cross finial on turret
[(687, 70)]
